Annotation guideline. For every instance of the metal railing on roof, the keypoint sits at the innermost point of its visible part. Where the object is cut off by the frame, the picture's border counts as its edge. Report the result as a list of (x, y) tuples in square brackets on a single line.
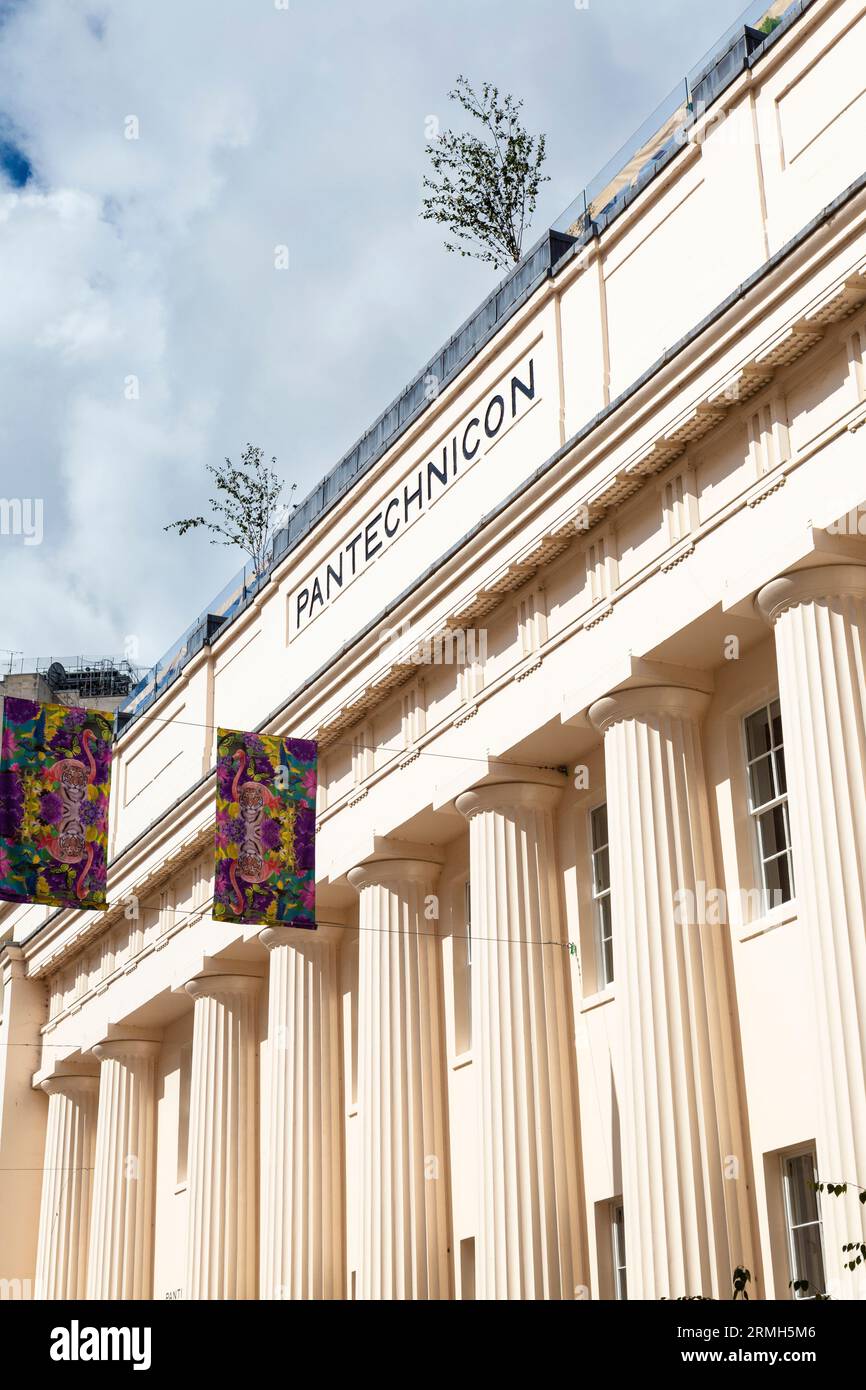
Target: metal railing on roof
[(662, 135), (649, 150)]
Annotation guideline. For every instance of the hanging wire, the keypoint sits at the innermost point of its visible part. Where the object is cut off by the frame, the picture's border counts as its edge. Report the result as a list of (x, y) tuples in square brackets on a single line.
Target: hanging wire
[(348, 743)]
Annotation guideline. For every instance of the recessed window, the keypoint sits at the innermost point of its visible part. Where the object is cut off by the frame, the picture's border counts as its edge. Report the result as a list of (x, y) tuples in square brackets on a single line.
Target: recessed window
[(601, 894), (467, 1268), (617, 1241), (462, 958), (467, 909), (184, 1086), (768, 803), (803, 1222)]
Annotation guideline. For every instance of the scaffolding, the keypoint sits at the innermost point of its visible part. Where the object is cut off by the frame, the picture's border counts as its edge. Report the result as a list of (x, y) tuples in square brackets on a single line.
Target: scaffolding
[(92, 678)]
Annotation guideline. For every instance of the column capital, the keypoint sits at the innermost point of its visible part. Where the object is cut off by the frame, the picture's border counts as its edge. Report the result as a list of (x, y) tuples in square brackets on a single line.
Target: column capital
[(809, 585), (389, 871), (71, 1084), (324, 934), (648, 700), (122, 1049), (66, 1068), (500, 796), (217, 986)]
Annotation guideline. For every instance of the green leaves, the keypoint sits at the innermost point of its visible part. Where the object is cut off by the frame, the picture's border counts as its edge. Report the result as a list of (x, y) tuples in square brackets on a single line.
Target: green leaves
[(485, 188), (245, 508), (835, 1189), (808, 1290)]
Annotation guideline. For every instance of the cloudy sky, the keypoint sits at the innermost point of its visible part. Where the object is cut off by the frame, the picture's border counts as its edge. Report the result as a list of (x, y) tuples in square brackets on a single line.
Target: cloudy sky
[(259, 123)]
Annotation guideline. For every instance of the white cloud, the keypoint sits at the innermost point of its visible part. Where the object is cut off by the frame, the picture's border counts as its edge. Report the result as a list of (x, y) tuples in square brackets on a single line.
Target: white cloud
[(153, 257)]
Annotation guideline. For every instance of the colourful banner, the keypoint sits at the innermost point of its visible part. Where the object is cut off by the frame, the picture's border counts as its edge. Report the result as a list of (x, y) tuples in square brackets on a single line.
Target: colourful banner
[(265, 869), (55, 780)]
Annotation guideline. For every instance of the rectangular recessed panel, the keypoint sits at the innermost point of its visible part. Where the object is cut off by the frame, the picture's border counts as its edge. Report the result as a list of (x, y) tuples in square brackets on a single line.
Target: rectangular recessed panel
[(827, 89)]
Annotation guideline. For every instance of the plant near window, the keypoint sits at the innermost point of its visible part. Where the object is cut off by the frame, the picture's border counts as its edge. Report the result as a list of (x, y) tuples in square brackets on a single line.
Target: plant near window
[(855, 1250), (484, 188), (740, 1279)]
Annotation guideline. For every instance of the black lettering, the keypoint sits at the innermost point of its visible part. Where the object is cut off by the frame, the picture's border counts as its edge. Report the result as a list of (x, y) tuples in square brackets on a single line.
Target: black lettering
[(413, 496), (443, 476), (303, 594), (497, 400), (517, 385), (370, 550), (317, 596), (338, 576), (350, 546), (470, 453), (395, 502)]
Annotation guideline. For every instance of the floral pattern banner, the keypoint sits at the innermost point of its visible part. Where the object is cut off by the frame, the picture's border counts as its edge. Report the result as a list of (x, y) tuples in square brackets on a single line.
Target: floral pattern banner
[(265, 870), (55, 780)]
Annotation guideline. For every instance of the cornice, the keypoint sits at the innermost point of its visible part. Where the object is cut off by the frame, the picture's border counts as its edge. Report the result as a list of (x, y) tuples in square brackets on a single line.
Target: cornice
[(782, 348), (66, 937)]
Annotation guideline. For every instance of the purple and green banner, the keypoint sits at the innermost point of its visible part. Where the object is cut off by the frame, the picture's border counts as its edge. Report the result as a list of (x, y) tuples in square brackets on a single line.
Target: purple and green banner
[(55, 781), (265, 870)]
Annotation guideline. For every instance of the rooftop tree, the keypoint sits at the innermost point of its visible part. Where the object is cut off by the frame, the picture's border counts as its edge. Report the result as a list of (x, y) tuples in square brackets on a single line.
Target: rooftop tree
[(484, 188), (246, 510)]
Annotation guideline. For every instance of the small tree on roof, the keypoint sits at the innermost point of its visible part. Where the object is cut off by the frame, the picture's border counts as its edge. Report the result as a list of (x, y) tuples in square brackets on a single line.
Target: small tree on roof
[(484, 188), (246, 508)]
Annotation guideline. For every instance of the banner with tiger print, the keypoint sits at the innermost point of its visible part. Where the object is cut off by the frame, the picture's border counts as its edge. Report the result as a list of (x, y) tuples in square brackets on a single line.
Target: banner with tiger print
[(265, 871), (55, 782)]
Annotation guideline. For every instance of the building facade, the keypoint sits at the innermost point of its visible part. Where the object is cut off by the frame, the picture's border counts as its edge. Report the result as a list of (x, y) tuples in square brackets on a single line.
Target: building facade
[(584, 649)]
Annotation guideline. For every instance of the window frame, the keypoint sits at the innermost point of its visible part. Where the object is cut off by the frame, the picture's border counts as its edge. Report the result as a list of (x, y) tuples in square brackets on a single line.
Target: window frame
[(779, 799), (786, 1158), (603, 979), (619, 1266)]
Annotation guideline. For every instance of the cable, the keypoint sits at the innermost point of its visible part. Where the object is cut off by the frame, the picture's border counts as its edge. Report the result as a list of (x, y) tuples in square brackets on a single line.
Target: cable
[(348, 743), (391, 931), (149, 907)]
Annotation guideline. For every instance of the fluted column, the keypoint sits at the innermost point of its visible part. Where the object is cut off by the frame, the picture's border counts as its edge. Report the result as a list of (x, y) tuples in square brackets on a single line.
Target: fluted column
[(67, 1182), (523, 1045), (687, 1214), (401, 1085), (302, 1207), (120, 1251), (819, 621), (223, 1126)]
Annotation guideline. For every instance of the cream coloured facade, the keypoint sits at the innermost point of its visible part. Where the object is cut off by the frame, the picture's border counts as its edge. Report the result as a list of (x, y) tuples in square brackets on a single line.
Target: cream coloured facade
[(585, 655)]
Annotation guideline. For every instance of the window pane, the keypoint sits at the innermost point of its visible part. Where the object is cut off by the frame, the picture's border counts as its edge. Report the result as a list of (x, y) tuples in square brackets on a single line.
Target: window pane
[(761, 780), (601, 870), (758, 733), (599, 827), (619, 1269), (802, 1199), (781, 775), (808, 1259), (777, 877), (774, 837), (776, 717), (608, 961)]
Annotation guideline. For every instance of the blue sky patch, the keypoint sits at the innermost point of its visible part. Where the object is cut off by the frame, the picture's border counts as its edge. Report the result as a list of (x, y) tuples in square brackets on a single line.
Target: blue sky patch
[(14, 164)]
